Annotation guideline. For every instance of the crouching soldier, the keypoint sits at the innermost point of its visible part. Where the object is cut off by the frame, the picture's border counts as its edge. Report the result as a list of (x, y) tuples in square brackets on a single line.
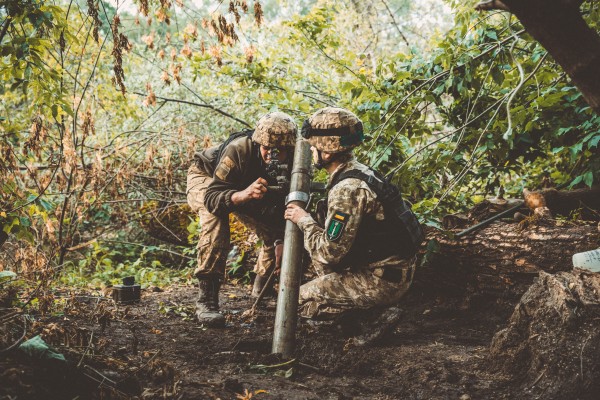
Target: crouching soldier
[(364, 253), (234, 178)]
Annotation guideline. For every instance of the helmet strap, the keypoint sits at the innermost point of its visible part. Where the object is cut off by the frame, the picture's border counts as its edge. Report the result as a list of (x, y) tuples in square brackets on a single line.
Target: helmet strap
[(320, 164)]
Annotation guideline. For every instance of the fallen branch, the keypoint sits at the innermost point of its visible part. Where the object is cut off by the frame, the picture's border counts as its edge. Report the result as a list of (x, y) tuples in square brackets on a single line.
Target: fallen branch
[(15, 344)]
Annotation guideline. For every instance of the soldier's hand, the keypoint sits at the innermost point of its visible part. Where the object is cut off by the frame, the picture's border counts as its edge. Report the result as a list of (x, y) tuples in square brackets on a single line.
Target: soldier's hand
[(255, 191), (294, 213)]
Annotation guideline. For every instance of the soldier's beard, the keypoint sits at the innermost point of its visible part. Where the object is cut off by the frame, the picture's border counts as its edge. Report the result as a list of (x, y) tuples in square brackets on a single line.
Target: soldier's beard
[(320, 163)]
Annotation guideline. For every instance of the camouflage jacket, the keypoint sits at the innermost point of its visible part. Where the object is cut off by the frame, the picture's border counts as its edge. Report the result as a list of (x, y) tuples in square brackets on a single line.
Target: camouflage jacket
[(239, 165), (350, 202)]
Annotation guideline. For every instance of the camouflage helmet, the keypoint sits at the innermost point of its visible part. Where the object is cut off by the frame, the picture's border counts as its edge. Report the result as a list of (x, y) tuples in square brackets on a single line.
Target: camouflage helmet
[(275, 129), (333, 130)]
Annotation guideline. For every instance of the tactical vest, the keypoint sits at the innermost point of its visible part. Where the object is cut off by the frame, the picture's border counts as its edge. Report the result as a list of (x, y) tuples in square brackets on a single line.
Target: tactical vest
[(399, 233)]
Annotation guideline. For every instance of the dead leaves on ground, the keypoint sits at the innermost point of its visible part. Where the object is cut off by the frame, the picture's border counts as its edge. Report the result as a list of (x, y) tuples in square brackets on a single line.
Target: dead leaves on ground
[(247, 395)]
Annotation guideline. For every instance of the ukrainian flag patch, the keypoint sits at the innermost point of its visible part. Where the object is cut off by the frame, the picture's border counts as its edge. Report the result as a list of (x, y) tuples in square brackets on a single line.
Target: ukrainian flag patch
[(336, 225)]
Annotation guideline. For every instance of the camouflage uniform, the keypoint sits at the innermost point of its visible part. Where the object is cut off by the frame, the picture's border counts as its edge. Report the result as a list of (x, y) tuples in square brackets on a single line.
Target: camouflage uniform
[(213, 244), (339, 288), (344, 281), (210, 187)]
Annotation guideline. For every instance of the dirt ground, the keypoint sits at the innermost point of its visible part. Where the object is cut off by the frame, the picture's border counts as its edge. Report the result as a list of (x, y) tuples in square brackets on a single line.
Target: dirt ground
[(439, 349), (154, 349)]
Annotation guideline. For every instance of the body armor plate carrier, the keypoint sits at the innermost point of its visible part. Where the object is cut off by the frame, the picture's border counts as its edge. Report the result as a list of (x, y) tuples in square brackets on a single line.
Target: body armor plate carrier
[(399, 233)]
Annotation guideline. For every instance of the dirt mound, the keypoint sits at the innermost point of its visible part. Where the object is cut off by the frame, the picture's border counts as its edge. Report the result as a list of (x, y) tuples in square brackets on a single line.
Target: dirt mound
[(551, 346)]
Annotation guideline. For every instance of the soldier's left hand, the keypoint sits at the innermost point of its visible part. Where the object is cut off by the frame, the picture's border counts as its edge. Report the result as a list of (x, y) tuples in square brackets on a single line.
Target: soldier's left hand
[(294, 213)]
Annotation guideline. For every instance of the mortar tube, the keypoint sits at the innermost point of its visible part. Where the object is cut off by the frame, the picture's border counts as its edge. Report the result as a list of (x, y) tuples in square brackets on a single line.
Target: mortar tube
[(286, 315)]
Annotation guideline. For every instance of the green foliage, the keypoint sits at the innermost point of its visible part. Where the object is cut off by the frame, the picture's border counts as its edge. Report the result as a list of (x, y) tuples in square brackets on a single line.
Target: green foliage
[(6, 275), (101, 267), (448, 114), (235, 269), (480, 140), (184, 311)]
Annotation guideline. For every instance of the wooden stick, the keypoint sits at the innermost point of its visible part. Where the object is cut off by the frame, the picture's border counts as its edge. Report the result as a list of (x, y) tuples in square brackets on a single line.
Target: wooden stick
[(489, 220), (262, 293)]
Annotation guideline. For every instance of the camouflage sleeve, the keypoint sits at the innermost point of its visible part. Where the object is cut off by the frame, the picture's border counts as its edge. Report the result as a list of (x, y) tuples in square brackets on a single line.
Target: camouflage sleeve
[(226, 178), (347, 204)]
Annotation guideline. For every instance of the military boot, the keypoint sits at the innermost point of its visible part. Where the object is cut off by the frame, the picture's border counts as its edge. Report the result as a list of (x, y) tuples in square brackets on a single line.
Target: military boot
[(207, 304)]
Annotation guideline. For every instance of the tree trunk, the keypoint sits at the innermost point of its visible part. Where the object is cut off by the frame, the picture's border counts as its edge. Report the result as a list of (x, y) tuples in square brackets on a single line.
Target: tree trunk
[(560, 28), (500, 261), (584, 201)]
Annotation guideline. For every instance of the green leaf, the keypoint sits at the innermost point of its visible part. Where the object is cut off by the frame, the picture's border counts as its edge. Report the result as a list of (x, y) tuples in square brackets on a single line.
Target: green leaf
[(25, 234), (46, 205), (588, 178), (576, 149), (576, 181), (25, 222), (440, 89), (497, 76), (37, 348), (492, 35), (7, 228), (67, 108), (7, 275)]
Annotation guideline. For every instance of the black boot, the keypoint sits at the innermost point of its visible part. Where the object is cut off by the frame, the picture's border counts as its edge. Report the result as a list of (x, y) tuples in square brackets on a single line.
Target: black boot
[(207, 305)]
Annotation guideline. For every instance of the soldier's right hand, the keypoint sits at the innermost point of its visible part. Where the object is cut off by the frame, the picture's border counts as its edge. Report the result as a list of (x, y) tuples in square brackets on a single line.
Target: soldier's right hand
[(255, 191)]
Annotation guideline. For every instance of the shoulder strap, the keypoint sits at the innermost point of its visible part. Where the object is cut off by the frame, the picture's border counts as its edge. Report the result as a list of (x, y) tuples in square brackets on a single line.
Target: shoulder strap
[(377, 185), (248, 133), (397, 211)]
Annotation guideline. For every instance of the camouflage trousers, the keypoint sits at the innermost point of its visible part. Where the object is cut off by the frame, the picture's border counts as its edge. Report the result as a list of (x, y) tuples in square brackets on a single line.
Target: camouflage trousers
[(335, 293), (214, 242)]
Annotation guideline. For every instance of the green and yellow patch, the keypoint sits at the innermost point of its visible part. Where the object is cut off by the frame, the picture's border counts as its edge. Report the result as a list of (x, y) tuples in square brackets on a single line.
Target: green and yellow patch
[(336, 225)]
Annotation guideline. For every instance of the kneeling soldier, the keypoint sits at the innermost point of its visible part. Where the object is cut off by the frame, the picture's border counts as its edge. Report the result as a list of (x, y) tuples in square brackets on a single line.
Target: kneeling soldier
[(364, 253)]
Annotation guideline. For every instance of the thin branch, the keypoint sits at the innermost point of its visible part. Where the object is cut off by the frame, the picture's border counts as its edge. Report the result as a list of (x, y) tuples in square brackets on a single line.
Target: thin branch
[(87, 84), (388, 115), (15, 344), (42, 191), (471, 162), (516, 89), (191, 103), (11, 315), (205, 104), (398, 133), (452, 132), (5, 25), (395, 23), (145, 245), (320, 48)]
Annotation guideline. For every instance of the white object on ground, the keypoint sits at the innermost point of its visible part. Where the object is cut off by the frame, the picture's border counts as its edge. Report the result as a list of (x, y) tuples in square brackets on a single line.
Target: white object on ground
[(589, 260)]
